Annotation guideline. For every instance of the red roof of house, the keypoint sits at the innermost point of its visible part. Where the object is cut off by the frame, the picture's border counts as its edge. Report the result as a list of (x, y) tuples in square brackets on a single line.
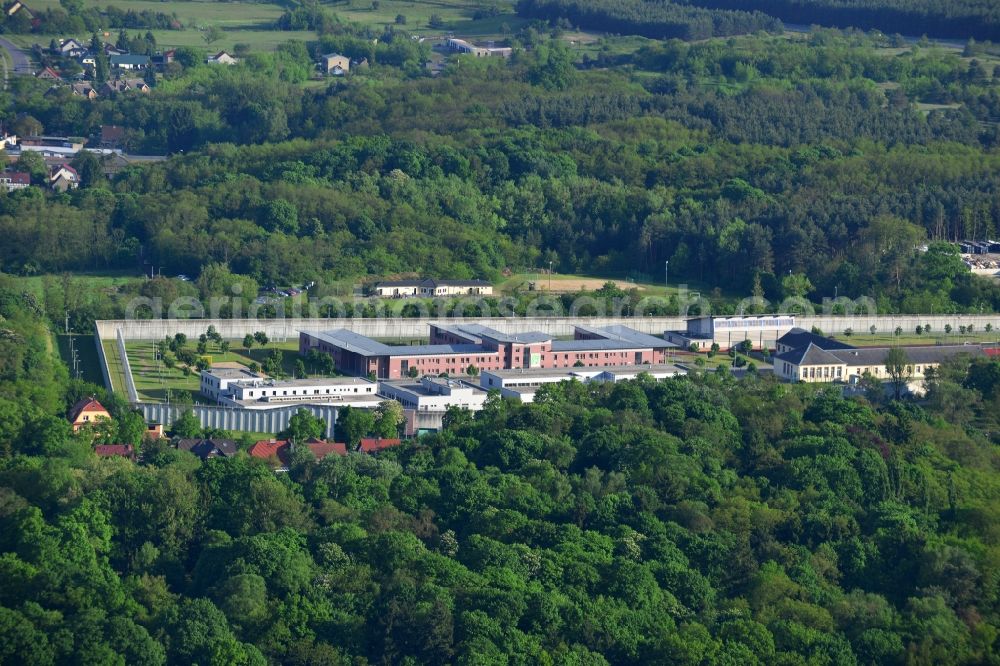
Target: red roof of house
[(372, 444), (322, 449), (112, 133), (86, 405), (18, 177), (109, 450), (271, 448)]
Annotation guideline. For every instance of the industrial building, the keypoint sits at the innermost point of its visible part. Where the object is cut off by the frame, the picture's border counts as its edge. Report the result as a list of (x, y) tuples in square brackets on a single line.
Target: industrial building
[(762, 331), (434, 394)]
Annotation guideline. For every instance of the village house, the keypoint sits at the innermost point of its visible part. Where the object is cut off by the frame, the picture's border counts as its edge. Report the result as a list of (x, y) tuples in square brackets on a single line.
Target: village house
[(126, 451), (48, 74), (278, 452), (335, 64), (70, 48), (221, 58), (376, 444), (87, 411), (125, 85), (63, 177), (112, 165), (84, 89), (206, 449), (161, 60), (111, 137), (14, 180)]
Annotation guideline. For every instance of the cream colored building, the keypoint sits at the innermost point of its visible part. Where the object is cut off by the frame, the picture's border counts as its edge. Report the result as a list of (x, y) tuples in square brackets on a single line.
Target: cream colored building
[(431, 288), (335, 64), (814, 365)]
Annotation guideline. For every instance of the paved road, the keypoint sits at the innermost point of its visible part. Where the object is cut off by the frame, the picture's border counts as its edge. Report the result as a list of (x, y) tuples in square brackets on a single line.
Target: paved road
[(21, 63)]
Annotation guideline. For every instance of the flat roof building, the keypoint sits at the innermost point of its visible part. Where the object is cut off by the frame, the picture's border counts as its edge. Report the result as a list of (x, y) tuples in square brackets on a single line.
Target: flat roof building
[(454, 348), (239, 387), (215, 381), (428, 288), (522, 384), (434, 394), (762, 331)]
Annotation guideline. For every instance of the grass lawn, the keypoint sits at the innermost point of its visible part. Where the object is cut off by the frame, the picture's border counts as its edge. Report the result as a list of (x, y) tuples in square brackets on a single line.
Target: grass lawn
[(866, 339), (86, 353), (115, 369), (153, 380)]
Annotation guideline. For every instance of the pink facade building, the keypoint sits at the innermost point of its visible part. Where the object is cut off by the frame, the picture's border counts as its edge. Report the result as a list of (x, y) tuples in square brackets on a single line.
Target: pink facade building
[(454, 347)]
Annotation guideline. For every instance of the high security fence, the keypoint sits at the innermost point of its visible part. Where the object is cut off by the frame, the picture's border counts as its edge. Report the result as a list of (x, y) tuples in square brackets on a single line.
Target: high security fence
[(229, 418), (417, 328)]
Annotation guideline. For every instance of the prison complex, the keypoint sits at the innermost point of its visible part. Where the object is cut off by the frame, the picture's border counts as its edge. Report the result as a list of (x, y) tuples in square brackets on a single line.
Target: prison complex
[(454, 347)]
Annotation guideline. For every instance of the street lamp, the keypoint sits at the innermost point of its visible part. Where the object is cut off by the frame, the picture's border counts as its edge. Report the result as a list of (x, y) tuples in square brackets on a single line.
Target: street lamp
[(550, 277), (666, 274)]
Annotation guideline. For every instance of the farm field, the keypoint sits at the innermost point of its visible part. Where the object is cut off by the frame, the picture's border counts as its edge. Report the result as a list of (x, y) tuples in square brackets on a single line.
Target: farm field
[(240, 22), (457, 16), (249, 22), (565, 283)]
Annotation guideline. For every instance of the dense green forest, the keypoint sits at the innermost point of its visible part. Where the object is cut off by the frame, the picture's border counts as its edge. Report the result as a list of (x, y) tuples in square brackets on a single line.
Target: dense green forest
[(691, 521), (656, 19), (959, 19), (698, 19), (733, 160)]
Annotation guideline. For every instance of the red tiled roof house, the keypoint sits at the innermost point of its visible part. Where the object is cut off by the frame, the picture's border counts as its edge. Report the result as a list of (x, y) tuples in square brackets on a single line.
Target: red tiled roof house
[(87, 412)]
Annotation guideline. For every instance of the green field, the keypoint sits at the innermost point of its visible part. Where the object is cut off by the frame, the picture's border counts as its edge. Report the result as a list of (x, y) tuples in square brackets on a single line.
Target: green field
[(249, 22), (116, 370), (241, 22), (866, 339), (86, 353), (457, 16)]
